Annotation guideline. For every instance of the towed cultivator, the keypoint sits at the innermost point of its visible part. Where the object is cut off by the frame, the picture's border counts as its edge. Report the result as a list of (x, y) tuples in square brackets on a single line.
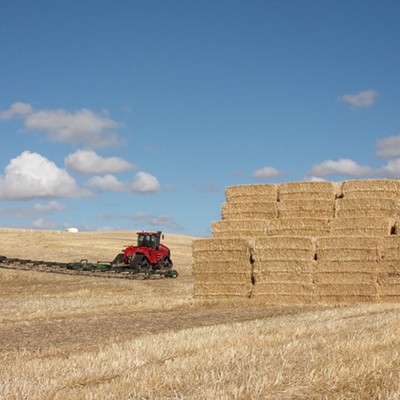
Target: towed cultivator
[(148, 260)]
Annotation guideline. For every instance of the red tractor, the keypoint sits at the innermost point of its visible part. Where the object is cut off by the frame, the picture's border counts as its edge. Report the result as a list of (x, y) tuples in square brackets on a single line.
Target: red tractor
[(149, 254)]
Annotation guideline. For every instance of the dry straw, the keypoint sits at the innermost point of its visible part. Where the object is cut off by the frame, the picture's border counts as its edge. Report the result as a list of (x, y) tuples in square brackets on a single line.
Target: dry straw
[(303, 227), (239, 228), (368, 226), (371, 189), (367, 207), (324, 209), (360, 248), (307, 191), (285, 248), (251, 193), (253, 211), (222, 290), (346, 272)]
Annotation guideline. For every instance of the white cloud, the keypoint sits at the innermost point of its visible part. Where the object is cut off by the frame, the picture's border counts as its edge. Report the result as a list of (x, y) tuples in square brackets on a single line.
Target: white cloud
[(157, 221), (363, 99), (143, 182), (391, 169), (30, 176), (340, 167), (266, 173), (87, 161), (16, 110), (82, 126), (108, 183), (389, 147)]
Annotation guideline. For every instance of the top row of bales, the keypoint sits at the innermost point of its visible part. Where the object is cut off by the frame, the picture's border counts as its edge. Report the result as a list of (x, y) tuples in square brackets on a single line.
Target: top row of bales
[(367, 207)]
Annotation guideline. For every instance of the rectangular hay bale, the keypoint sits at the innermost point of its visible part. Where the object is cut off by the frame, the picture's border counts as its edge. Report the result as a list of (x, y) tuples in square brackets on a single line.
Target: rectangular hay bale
[(367, 207), (347, 248), (362, 226), (222, 290), (307, 191), (239, 228), (310, 227), (251, 211), (251, 193), (371, 189), (319, 209)]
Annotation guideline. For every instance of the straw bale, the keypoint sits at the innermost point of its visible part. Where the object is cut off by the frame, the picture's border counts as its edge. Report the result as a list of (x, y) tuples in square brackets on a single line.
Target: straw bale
[(389, 290), (251, 193), (221, 266), (304, 227), (253, 211), (221, 290), (389, 298), (372, 189), (355, 248), (283, 276), (210, 276), (346, 299), (306, 209), (281, 299), (346, 289), (228, 256), (239, 228), (356, 266), (217, 244), (268, 265), (388, 273), (307, 191), (284, 289), (390, 248), (344, 278), (365, 226), (367, 207), (284, 248)]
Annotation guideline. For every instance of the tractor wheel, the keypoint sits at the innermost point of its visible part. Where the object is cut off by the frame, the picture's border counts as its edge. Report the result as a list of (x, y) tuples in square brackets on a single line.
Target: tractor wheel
[(140, 263)]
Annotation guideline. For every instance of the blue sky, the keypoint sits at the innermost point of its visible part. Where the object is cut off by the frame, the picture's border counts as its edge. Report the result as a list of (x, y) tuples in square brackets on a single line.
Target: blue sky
[(137, 114)]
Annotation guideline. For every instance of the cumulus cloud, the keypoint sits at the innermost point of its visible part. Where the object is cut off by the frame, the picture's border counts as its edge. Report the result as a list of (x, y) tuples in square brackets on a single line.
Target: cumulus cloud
[(108, 183), (156, 221), (87, 161), (266, 173), (340, 167), (363, 99), (30, 176), (143, 182), (16, 110), (389, 147), (391, 169), (83, 126)]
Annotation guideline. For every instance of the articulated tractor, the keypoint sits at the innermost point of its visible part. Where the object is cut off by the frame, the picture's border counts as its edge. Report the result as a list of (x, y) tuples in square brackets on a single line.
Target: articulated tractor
[(148, 255)]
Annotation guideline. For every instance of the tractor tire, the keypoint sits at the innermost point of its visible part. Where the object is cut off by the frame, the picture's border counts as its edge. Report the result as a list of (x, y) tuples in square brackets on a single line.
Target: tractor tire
[(140, 263)]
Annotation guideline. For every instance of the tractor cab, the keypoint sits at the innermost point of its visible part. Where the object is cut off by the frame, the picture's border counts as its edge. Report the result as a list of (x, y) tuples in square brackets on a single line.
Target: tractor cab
[(149, 239)]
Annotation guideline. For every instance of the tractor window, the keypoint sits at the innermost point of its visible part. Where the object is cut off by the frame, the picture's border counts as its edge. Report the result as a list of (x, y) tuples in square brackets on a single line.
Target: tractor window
[(149, 241)]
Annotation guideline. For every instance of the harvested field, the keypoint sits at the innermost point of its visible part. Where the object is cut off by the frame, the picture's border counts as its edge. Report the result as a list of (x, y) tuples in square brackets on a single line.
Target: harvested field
[(74, 337)]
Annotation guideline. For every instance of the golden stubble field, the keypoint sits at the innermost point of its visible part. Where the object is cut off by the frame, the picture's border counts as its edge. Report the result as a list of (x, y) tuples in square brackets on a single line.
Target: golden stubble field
[(74, 337)]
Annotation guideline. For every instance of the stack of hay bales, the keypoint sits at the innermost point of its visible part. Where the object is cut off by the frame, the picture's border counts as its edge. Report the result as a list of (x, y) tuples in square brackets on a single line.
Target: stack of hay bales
[(305, 241), (389, 270), (223, 268), (283, 270), (346, 269)]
